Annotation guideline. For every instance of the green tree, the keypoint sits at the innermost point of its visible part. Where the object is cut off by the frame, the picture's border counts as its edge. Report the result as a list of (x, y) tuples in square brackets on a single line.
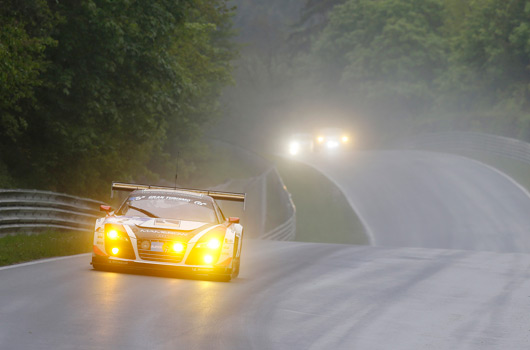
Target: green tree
[(127, 83), (24, 35), (386, 54), (488, 80)]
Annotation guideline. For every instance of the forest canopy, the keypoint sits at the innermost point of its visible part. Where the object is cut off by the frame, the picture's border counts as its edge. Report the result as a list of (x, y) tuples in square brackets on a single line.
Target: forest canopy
[(394, 67), (97, 90)]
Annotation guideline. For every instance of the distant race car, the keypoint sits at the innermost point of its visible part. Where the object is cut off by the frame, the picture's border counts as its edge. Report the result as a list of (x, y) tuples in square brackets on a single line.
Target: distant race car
[(164, 228), (331, 140), (300, 143)]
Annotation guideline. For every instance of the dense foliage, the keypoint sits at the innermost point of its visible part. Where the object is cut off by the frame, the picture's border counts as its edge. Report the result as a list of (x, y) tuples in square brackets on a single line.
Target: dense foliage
[(451, 64), (393, 67), (97, 90)]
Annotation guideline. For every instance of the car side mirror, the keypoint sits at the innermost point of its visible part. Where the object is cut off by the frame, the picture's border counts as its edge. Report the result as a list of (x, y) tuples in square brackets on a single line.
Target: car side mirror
[(233, 220), (106, 208)]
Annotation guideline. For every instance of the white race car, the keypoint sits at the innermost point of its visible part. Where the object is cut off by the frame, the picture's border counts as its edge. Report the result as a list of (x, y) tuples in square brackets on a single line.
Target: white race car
[(164, 228)]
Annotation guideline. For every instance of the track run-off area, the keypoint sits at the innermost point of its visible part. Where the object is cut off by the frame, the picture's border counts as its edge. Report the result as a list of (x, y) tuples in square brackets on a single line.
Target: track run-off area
[(448, 269)]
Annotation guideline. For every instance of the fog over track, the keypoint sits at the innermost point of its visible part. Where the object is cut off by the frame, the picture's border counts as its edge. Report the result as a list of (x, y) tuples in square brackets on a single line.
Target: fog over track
[(293, 295)]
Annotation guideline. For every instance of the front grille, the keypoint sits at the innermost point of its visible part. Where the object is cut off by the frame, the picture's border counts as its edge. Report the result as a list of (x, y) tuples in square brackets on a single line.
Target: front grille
[(166, 255)]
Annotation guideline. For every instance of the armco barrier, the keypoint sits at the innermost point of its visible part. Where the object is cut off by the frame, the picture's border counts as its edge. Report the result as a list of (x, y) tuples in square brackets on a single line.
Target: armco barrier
[(464, 142), (269, 213), (33, 211)]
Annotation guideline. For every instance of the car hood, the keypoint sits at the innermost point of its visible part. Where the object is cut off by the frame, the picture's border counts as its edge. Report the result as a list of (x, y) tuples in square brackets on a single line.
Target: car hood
[(170, 224), (149, 228)]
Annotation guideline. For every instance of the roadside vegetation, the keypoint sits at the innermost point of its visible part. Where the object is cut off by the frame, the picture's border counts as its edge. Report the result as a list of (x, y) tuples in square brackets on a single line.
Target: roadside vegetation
[(323, 214), (517, 170), (95, 90), (388, 68), (21, 248)]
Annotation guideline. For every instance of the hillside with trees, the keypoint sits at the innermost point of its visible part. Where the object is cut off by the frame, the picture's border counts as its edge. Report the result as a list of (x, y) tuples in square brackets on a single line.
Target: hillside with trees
[(397, 67), (97, 90)]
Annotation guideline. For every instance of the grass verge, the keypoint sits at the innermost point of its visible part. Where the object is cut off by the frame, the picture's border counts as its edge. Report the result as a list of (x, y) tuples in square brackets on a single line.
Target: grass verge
[(517, 170), (20, 248), (323, 215)]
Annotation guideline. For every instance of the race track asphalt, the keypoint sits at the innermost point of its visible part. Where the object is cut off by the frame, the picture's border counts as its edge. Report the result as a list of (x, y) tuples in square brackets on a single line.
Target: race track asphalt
[(407, 292), (432, 200)]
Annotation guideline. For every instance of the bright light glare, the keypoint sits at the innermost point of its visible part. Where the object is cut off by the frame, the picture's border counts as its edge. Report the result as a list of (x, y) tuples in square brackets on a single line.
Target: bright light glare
[(345, 139), (320, 139), (112, 234), (294, 148), (213, 243), (115, 251), (332, 144), (178, 247), (208, 259)]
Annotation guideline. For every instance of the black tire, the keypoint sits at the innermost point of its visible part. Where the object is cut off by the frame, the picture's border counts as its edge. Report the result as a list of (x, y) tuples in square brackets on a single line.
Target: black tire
[(97, 266)]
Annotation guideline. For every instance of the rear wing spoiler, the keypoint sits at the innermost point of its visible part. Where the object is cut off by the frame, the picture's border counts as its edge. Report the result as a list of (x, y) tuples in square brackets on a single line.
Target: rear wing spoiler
[(217, 195)]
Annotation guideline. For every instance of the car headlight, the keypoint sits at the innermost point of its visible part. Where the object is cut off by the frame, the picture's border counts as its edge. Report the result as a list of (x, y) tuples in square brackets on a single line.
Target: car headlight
[(332, 144), (112, 234), (213, 243), (116, 232), (178, 247), (294, 148), (208, 249), (117, 242)]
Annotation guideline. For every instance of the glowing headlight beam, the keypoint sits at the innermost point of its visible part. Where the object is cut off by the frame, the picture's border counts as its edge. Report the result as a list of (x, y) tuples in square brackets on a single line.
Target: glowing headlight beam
[(178, 247), (332, 144), (208, 259), (115, 251), (294, 148), (112, 234), (213, 243)]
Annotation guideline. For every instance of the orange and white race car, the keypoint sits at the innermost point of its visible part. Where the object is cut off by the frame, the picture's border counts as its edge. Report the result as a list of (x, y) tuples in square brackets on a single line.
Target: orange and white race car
[(165, 228)]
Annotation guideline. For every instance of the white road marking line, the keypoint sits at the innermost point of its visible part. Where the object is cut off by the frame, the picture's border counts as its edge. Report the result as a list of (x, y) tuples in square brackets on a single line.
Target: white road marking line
[(43, 261)]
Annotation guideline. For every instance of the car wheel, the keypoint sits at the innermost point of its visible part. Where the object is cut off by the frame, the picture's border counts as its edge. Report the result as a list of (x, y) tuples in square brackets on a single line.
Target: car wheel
[(97, 266)]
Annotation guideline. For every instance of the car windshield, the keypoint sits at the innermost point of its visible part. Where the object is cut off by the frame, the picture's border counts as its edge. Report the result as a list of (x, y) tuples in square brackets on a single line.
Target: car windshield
[(170, 207)]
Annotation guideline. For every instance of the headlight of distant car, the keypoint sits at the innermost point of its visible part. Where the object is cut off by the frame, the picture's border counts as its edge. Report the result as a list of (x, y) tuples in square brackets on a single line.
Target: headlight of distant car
[(332, 144), (294, 148)]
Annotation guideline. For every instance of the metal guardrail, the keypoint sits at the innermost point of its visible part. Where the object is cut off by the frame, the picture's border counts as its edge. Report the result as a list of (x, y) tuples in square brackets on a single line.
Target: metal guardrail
[(284, 232), (270, 212), (33, 211), (461, 142), (287, 230)]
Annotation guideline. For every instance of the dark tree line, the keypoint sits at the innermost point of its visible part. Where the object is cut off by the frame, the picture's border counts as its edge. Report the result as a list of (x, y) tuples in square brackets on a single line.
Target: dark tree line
[(443, 63), (394, 67), (97, 90)]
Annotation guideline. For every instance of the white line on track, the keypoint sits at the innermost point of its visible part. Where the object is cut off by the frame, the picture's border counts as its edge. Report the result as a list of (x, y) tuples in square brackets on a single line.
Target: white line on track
[(43, 261)]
